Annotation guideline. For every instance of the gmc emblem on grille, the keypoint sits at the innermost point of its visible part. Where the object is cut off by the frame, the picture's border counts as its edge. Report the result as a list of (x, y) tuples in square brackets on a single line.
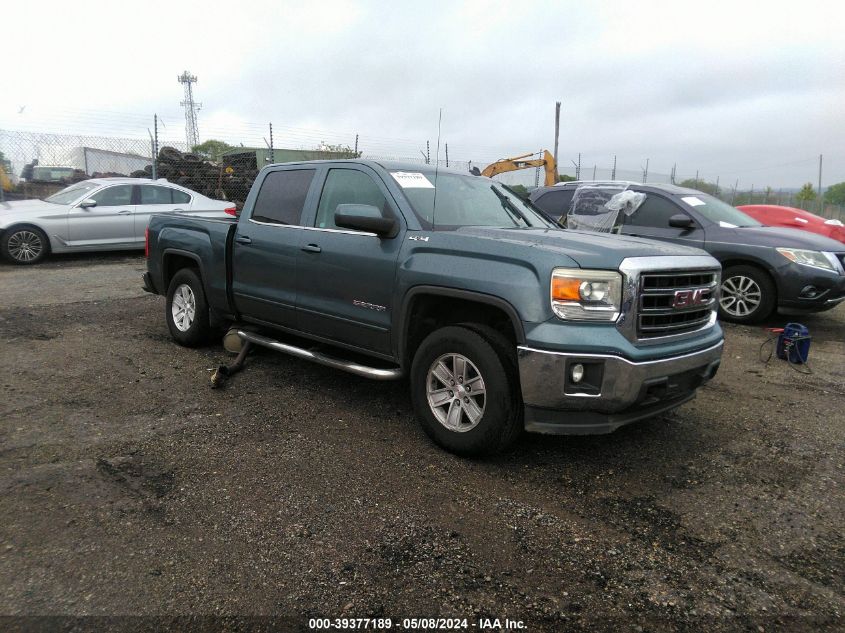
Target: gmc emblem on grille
[(691, 298)]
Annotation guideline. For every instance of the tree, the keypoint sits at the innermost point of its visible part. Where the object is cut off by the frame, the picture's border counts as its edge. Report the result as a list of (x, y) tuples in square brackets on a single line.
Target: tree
[(565, 178), (835, 194), (806, 194), (212, 149), (701, 185), (519, 190)]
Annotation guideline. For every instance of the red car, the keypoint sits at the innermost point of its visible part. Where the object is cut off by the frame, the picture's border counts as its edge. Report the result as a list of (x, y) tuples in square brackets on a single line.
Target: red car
[(790, 217)]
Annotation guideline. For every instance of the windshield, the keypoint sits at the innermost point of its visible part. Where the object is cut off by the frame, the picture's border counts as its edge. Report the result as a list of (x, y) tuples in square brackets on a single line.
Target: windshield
[(719, 212), (464, 201), (72, 193)]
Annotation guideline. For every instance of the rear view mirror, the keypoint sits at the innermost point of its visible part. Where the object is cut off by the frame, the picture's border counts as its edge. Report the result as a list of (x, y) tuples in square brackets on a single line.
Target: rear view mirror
[(681, 221), (364, 217), (88, 203)]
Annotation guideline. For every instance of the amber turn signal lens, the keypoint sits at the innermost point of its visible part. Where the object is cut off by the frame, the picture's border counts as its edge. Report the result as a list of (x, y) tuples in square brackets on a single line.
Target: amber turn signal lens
[(564, 289)]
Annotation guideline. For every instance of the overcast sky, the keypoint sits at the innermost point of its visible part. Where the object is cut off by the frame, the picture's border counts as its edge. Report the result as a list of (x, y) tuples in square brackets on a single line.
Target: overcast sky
[(754, 91)]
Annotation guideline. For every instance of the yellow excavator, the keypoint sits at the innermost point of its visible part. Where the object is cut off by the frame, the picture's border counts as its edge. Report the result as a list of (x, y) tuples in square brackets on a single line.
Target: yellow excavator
[(517, 162)]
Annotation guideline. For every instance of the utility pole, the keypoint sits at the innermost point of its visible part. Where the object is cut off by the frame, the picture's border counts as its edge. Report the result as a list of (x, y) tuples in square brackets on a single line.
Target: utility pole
[(717, 185), (696, 178), (577, 167), (733, 193), (594, 172), (356, 146), (427, 153), (613, 173), (272, 151), (645, 171), (821, 199), (672, 177), (447, 155), (751, 195), (155, 147), (192, 133), (557, 129)]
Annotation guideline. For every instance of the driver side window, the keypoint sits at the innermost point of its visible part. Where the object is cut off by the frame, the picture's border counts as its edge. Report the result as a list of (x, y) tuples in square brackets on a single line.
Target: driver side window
[(347, 186), (654, 212), (114, 196)]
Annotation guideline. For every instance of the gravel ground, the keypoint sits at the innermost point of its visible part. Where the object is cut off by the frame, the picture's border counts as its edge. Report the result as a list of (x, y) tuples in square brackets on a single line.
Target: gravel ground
[(130, 487)]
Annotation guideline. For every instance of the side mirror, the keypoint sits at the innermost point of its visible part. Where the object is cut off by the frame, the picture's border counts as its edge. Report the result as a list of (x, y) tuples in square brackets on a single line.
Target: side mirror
[(88, 203), (681, 221), (364, 217)]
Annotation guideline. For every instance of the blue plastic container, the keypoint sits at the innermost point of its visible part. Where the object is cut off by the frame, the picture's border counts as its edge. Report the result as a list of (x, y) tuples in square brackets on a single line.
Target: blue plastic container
[(794, 343)]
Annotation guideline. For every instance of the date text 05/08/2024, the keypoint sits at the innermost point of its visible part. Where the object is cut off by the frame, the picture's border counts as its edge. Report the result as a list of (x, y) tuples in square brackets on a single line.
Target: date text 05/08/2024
[(409, 624)]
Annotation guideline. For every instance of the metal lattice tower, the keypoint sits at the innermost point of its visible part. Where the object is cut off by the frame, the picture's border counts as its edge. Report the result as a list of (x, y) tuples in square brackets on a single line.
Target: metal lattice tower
[(192, 133)]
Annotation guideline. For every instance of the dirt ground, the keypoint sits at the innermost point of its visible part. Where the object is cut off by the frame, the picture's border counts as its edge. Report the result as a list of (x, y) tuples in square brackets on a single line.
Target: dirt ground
[(129, 487)]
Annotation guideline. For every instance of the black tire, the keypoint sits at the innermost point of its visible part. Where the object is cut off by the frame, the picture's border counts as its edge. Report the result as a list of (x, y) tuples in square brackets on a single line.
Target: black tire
[(735, 301), (198, 330), (500, 422), (24, 245)]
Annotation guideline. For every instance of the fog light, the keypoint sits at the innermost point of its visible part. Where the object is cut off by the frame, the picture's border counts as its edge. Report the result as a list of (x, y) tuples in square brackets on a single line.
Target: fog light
[(577, 373)]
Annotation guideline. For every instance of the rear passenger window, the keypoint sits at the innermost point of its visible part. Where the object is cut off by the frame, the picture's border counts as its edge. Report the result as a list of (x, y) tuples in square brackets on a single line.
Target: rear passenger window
[(180, 197), (555, 203), (152, 194), (282, 196), (347, 186), (655, 212)]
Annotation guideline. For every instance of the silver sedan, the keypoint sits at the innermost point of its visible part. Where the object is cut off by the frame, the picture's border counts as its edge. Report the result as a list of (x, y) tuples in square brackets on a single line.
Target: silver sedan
[(101, 214)]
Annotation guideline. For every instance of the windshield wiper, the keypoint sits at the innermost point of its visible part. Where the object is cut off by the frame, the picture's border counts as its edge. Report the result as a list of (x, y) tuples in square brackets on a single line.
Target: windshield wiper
[(509, 206)]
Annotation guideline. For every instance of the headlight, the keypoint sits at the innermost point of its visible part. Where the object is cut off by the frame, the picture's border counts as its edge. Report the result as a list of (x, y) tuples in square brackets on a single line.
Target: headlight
[(808, 258), (586, 295)]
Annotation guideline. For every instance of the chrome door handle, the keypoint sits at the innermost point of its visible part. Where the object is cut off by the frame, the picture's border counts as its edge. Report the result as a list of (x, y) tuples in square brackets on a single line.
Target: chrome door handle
[(312, 248), (179, 210), (243, 239), (124, 212)]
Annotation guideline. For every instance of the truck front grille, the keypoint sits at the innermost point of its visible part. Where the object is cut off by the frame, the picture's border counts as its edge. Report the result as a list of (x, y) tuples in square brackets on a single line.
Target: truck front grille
[(676, 302)]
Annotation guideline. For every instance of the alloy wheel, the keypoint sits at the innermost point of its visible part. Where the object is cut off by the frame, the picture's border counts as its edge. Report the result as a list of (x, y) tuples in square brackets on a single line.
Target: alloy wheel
[(741, 296), (456, 392), (25, 246), (183, 308)]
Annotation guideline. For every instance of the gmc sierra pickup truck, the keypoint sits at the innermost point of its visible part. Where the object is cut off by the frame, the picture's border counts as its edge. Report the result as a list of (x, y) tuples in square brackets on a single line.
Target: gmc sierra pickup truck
[(501, 321)]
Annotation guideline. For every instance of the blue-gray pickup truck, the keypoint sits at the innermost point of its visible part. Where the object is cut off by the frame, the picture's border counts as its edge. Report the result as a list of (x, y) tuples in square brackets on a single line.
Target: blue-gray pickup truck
[(500, 321)]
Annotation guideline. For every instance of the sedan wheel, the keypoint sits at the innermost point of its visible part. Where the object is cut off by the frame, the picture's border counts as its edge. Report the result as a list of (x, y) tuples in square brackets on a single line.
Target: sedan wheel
[(26, 245), (741, 296)]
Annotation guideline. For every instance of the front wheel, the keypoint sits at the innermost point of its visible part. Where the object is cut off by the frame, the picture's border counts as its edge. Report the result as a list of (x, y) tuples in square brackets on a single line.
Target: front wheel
[(186, 310), (748, 295), (24, 245), (465, 393)]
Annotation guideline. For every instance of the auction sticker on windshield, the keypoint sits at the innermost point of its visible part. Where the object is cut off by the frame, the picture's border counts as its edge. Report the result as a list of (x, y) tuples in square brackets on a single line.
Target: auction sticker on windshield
[(693, 201), (411, 180)]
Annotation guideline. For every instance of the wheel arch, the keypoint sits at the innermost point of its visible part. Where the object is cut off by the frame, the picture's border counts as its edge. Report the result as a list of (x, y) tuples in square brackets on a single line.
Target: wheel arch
[(175, 259), (427, 308)]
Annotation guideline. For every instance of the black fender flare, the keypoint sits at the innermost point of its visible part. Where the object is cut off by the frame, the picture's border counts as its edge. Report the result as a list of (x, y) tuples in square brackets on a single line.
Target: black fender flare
[(402, 320)]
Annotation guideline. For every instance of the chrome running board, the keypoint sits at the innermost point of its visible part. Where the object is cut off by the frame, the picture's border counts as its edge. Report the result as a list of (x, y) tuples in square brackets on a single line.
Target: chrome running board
[(373, 373)]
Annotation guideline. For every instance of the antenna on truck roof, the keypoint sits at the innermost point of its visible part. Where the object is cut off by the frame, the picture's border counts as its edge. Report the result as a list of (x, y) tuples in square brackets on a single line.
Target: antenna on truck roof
[(436, 168)]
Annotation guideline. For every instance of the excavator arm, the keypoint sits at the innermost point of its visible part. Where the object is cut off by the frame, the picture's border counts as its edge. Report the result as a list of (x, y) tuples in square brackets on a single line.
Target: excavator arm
[(517, 162)]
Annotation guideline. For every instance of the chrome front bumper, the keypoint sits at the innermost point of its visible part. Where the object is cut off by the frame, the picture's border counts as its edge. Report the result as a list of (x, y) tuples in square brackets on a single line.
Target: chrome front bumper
[(615, 391)]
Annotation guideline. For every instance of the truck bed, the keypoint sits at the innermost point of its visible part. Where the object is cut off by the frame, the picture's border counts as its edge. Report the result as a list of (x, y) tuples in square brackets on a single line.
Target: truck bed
[(206, 241)]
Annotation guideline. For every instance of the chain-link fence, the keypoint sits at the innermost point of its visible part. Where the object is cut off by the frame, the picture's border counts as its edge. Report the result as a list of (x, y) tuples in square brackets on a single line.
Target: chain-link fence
[(35, 164)]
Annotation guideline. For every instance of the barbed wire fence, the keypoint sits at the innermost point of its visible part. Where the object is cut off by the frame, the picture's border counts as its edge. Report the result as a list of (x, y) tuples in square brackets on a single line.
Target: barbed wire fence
[(226, 164)]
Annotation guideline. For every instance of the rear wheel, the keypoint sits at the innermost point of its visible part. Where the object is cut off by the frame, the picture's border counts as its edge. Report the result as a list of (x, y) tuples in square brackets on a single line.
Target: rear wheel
[(748, 295), (186, 310), (465, 393), (24, 245)]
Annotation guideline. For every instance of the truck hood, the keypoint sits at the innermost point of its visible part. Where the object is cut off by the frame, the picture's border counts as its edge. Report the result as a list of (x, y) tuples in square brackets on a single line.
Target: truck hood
[(773, 236), (589, 249)]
